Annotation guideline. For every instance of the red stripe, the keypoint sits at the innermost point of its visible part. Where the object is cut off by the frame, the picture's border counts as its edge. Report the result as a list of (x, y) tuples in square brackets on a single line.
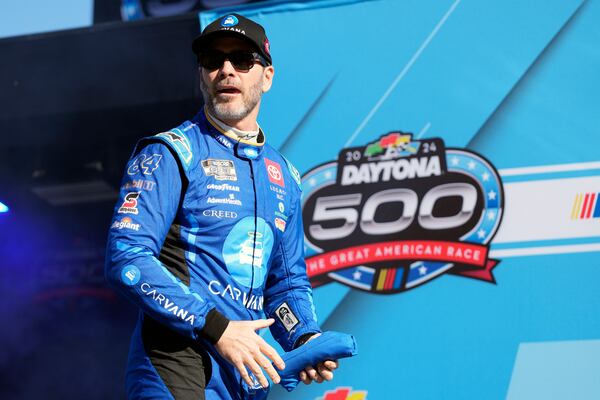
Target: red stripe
[(587, 205), (390, 280), (388, 272), (584, 208), (591, 205)]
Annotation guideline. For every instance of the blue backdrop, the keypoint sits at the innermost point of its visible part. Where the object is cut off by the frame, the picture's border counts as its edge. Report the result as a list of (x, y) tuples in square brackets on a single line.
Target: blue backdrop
[(516, 82)]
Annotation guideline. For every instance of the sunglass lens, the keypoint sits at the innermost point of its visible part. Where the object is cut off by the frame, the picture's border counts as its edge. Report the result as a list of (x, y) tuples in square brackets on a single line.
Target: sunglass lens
[(241, 60), (212, 60)]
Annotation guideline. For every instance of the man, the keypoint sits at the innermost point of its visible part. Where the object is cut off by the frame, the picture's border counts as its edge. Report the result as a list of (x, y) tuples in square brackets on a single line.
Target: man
[(207, 238)]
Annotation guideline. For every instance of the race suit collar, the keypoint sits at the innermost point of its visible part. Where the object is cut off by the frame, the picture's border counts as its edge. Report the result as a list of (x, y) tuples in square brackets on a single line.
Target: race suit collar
[(240, 147), (259, 141), (251, 136)]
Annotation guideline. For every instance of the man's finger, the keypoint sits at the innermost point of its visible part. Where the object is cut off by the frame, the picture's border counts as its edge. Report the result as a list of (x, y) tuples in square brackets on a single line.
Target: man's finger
[(268, 367), (262, 323), (258, 374), (325, 372), (331, 365), (305, 378), (244, 373), (312, 373), (270, 352)]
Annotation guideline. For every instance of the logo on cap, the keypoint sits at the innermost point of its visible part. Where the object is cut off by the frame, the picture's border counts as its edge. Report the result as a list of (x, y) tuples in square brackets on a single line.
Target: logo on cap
[(229, 20), (267, 46)]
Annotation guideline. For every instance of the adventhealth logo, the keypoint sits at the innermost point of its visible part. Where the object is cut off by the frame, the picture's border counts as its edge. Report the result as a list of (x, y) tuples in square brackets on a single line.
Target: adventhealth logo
[(344, 393)]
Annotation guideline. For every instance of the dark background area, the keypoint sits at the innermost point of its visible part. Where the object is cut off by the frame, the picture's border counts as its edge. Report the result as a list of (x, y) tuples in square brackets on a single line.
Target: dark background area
[(73, 105)]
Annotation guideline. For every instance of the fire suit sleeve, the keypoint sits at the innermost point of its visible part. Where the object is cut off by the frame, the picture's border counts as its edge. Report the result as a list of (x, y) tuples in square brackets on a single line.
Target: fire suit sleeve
[(149, 199), (288, 294)]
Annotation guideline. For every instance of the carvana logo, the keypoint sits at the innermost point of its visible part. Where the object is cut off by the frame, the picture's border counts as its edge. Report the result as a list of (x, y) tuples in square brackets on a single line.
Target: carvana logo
[(130, 275), (246, 251), (229, 20)]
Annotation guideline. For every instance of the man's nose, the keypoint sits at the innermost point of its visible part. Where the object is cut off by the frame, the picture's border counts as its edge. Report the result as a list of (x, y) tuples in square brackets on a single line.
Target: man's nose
[(227, 68)]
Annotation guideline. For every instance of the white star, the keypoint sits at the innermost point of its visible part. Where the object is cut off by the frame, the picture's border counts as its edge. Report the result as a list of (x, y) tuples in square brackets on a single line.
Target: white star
[(492, 195), (312, 181), (454, 160), (328, 174), (356, 275), (481, 233), (491, 215), (422, 270), (485, 176), (471, 165)]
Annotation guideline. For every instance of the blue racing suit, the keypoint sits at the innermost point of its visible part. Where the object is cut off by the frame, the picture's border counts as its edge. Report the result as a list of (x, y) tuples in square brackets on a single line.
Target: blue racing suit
[(207, 229)]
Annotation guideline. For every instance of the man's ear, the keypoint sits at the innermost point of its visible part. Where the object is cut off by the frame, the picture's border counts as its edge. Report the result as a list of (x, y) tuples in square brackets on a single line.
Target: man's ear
[(268, 74)]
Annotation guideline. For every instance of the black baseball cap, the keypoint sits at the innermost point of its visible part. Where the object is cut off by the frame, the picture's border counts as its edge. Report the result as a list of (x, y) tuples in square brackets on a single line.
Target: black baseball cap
[(235, 25)]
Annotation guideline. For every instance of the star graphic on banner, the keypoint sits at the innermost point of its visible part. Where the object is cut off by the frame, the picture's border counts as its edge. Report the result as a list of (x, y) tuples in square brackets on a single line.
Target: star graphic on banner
[(485, 176), (454, 160), (471, 165), (356, 275), (422, 270), (312, 182), (328, 174), (491, 215), (492, 195), (481, 233)]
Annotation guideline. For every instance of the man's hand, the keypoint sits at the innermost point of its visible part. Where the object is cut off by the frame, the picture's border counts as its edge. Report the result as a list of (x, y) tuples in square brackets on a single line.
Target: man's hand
[(323, 371), (243, 347)]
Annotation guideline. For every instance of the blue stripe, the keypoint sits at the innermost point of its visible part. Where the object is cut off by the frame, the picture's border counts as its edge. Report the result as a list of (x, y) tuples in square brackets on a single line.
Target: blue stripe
[(550, 175), (127, 248), (185, 289), (398, 279), (597, 208)]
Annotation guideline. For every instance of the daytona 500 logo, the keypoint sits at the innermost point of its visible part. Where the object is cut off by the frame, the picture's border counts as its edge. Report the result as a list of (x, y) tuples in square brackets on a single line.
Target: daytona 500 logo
[(392, 215)]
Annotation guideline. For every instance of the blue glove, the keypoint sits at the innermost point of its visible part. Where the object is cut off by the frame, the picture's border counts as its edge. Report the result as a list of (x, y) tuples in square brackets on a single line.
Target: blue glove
[(327, 346)]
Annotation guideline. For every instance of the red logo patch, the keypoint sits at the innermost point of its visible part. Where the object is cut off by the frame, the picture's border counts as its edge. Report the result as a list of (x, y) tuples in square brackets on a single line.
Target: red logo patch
[(130, 204), (274, 170), (267, 46)]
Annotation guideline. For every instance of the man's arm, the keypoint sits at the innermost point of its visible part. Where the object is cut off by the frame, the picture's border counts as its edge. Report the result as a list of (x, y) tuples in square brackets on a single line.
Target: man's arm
[(288, 294), (148, 203), (288, 290)]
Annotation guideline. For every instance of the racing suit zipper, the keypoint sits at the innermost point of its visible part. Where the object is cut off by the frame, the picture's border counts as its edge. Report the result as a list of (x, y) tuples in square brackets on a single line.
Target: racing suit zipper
[(255, 229), (253, 254)]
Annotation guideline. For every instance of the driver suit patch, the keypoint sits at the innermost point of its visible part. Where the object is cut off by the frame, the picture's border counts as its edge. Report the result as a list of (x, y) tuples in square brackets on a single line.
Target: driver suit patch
[(286, 316), (247, 250), (222, 170)]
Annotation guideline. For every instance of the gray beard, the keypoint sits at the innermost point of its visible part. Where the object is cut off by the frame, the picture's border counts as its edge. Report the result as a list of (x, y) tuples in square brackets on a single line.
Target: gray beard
[(225, 113)]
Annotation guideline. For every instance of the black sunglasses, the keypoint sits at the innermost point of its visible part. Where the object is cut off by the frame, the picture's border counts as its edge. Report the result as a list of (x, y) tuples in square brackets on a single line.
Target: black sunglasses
[(242, 61)]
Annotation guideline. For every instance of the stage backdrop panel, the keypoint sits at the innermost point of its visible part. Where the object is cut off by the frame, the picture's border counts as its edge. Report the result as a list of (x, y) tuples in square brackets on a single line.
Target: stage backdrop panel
[(467, 130)]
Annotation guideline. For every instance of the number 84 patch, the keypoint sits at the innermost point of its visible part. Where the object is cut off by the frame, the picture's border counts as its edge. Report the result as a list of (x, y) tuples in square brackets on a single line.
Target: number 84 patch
[(144, 162)]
